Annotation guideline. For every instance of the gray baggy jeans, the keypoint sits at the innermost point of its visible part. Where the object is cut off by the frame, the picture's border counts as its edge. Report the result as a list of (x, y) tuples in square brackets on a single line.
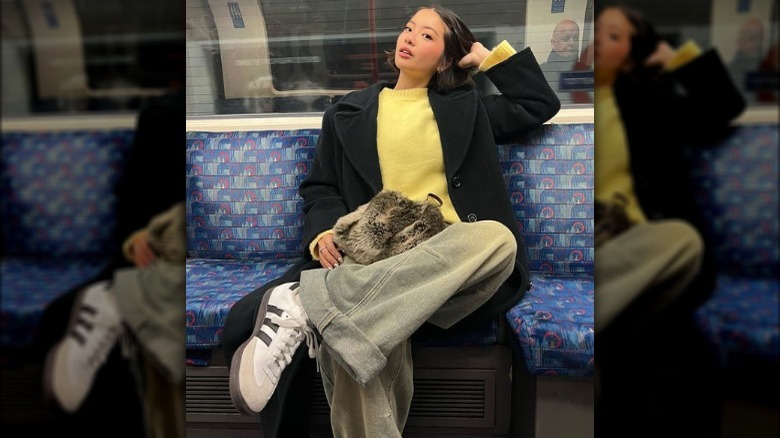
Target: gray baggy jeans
[(658, 257), (367, 313)]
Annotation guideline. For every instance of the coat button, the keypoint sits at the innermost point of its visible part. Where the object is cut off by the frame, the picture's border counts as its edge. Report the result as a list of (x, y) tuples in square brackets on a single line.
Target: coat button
[(529, 287), (472, 217), (456, 182)]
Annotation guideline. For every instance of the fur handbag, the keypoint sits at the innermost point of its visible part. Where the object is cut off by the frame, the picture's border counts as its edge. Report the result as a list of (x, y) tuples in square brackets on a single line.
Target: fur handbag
[(387, 225), (610, 219)]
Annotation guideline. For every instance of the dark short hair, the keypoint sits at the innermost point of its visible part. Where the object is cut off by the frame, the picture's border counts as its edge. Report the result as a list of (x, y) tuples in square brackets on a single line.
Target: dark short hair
[(457, 44), (644, 40)]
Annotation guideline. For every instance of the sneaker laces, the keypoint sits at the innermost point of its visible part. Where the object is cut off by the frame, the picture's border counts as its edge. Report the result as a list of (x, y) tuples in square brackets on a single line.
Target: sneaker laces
[(303, 331), (86, 329), (104, 346)]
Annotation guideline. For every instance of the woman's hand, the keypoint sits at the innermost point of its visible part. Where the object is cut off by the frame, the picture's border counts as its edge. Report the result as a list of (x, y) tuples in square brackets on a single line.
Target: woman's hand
[(662, 55), (141, 253), (475, 57), (330, 257)]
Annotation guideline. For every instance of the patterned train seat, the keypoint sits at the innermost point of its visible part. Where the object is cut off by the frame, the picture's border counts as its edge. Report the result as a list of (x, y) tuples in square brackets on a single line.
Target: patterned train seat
[(737, 183), (58, 215), (244, 219)]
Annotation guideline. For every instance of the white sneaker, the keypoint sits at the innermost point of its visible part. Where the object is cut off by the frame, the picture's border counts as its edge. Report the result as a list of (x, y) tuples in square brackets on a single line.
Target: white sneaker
[(93, 330), (281, 326)]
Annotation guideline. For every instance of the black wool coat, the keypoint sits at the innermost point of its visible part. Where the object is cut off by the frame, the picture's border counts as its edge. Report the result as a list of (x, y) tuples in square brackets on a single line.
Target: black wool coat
[(691, 106), (346, 171)]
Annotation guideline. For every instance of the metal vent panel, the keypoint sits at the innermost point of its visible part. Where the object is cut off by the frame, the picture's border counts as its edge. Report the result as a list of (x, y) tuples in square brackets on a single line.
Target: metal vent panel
[(450, 395)]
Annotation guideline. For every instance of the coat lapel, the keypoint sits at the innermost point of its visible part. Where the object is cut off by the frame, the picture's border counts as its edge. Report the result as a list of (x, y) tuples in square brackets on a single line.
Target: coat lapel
[(356, 130), (455, 127)]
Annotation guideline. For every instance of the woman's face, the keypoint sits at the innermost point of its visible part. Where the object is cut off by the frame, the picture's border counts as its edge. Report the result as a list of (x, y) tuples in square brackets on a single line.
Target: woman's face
[(420, 46), (612, 41)]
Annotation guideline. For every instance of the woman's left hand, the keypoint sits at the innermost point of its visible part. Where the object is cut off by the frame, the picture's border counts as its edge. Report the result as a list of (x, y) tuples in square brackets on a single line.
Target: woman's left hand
[(477, 54), (141, 251), (330, 257)]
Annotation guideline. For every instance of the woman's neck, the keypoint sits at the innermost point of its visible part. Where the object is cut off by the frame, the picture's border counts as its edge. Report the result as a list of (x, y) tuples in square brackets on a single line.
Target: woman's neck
[(603, 78), (406, 82)]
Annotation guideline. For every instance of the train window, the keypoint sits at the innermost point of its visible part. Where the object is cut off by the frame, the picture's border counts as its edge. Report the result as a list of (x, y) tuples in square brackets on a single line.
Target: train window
[(89, 56), (745, 33), (271, 56)]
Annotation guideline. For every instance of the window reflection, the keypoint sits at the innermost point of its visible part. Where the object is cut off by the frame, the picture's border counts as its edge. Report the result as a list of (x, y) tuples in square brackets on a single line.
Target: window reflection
[(745, 33), (89, 55), (267, 56)]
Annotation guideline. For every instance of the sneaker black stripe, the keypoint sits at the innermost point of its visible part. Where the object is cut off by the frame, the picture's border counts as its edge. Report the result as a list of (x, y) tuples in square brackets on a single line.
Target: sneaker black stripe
[(265, 338), (83, 322), (275, 310), (275, 327), (78, 336)]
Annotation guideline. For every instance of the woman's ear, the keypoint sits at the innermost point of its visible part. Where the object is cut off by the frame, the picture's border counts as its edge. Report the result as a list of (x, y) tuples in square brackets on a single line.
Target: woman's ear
[(444, 66)]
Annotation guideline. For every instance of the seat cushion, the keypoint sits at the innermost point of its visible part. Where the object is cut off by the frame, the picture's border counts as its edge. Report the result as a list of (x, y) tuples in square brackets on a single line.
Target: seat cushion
[(741, 321), (29, 285), (213, 286), (553, 326)]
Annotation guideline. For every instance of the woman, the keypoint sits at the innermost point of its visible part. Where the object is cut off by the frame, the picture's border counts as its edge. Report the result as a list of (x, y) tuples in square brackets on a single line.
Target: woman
[(78, 338), (650, 100), (430, 132)]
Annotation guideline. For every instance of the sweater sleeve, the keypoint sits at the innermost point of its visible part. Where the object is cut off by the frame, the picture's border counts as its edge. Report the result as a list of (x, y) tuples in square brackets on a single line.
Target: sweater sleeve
[(685, 54), (313, 245), (525, 100), (499, 54)]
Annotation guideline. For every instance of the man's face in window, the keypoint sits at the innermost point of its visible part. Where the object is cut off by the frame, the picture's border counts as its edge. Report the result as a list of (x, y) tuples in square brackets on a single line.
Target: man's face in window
[(751, 38), (566, 39)]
